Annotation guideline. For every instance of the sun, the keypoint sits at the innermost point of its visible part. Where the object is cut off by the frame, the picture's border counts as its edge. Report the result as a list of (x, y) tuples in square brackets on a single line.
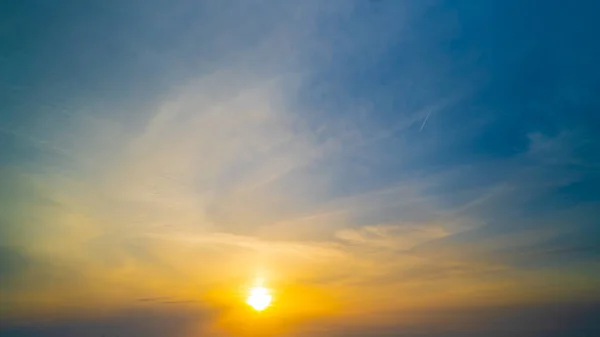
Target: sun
[(259, 298)]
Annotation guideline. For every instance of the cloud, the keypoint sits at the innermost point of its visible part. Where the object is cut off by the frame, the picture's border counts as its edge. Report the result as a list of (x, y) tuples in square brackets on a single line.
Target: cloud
[(11, 263), (181, 322), (228, 177), (572, 319), (395, 237)]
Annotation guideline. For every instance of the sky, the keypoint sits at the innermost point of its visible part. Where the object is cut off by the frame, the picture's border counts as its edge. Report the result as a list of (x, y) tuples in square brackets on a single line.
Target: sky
[(386, 168)]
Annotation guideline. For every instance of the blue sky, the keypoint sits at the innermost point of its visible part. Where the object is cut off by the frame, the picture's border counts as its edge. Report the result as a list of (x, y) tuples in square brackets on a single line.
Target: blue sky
[(446, 151)]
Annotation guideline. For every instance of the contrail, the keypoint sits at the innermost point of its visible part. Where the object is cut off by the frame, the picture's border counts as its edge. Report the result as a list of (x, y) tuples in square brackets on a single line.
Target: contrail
[(425, 121)]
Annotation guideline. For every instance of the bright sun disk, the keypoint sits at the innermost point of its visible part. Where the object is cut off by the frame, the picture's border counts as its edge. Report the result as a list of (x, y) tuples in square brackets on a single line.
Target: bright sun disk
[(259, 298)]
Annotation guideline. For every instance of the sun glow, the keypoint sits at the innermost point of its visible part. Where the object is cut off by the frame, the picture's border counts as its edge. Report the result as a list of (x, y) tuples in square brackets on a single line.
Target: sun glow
[(259, 298)]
